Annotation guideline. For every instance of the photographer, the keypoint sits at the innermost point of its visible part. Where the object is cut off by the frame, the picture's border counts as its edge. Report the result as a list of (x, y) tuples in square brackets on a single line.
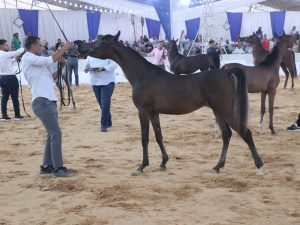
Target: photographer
[(159, 54), (8, 80)]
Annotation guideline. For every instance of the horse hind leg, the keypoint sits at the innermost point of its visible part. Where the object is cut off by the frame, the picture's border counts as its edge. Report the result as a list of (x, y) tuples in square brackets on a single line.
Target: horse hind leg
[(247, 137), (262, 109), (271, 95), (286, 72), (226, 135), (159, 139)]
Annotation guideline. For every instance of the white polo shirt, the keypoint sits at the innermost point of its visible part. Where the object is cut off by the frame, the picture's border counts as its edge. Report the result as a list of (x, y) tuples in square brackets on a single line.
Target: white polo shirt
[(7, 61), (103, 77), (38, 73)]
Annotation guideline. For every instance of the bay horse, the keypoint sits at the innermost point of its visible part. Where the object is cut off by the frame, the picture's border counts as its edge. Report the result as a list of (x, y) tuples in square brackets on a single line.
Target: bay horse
[(156, 91), (288, 63), (264, 77), (180, 64)]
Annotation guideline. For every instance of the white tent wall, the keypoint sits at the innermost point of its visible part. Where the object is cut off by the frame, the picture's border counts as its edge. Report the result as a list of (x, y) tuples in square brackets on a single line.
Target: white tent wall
[(7, 26), (291, 19), (111, 23), (73, 23), (251, 21)]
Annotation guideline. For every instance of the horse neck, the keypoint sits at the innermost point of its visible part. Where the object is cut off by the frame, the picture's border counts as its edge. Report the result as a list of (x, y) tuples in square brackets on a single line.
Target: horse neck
[(173, 51), (282, 47), (133, 65)]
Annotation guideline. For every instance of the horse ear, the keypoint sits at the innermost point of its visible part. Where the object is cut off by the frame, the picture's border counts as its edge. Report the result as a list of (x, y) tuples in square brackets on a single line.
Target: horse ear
[(254, 33), (283, 33), (176, 40), (117, 35)]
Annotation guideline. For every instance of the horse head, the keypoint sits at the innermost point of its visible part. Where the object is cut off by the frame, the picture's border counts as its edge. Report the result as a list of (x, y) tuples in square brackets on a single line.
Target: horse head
[(250, 39), (288, 39), (102, 48)]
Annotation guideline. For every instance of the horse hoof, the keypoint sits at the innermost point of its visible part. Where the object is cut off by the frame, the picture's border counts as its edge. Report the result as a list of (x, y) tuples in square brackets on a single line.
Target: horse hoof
[(162, 168), (136, 172), (259, 171), (273, 133), (216, 170)]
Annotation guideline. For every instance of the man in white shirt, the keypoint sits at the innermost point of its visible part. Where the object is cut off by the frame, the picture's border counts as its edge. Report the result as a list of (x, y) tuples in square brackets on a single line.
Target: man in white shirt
[(8, 80), (103, 83), (38, 72)]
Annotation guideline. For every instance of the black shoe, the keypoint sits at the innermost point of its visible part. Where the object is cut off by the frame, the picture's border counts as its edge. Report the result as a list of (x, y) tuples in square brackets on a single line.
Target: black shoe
[(46, 169), (109, 125), (62, 172), (18, 117), (294, 127), (5, 118)]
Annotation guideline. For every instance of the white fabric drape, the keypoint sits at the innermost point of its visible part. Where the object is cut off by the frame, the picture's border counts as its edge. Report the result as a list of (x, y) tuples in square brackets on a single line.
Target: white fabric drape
[(111, 23), (7, 27), (251, 22), (73, 23), (291, 19)]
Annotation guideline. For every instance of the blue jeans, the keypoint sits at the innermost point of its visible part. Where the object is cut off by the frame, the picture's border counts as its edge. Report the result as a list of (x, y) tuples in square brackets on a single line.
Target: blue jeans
[(103, 95), (73, 67)]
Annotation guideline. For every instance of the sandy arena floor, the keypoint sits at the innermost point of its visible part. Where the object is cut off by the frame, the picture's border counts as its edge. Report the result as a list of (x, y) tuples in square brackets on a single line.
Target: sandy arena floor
[(103, 191)]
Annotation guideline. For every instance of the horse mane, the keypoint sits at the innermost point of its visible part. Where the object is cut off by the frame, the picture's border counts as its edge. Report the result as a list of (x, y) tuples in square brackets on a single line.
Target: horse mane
[(271, 57)]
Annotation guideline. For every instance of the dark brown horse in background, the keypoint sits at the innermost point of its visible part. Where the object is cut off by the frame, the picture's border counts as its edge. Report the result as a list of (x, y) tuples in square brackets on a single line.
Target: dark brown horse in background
[(264, 77), (180, 64), (156, 91), (288, 63)]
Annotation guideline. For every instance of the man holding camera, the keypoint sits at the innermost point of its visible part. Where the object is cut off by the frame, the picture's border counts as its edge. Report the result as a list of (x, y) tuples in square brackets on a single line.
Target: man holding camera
[(8, 80), (38, 72)]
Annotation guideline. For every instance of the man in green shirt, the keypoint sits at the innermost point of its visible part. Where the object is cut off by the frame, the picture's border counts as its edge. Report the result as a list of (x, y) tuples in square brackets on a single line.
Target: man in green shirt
[(16, 43)]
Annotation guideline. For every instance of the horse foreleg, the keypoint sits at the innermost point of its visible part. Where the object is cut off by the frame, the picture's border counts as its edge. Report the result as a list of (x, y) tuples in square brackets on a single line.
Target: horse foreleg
[(226, 135), (159, 139), (286, 72), (247, 137), (262, 109), (144, 116), (271, 95)]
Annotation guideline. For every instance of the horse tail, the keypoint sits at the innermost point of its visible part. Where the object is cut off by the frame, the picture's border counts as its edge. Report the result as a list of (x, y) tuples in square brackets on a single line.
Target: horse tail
[(240, 102), (216, 60), (294, 64)]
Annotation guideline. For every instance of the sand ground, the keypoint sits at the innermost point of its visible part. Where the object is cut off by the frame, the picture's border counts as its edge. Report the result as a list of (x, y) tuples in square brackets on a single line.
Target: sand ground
[(103, 191)]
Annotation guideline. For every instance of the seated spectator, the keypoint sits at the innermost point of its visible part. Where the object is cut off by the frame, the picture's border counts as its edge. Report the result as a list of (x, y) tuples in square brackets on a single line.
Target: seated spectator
[(238, 50), (148, 47)]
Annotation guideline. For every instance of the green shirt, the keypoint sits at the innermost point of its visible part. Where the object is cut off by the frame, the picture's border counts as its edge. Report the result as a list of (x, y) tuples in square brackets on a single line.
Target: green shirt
[(16, 43)]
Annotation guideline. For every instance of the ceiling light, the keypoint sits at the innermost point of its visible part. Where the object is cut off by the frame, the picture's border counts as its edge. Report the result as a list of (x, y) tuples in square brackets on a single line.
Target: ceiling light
[(75, 5), (65, 2)]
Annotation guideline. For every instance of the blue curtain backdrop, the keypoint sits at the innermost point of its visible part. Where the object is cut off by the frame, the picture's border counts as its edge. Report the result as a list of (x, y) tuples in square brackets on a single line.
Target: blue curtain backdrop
[(277, 22), (153, 27), (163, 11), (192, 28), (93, 20), (31, 21), (235, 21)]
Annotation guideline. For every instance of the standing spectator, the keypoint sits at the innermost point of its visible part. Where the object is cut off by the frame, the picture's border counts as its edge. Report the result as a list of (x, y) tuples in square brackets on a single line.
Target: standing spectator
[(8, 80), (293, 31), (160, 55), (266, 43), (45, 48), (72, 64), (36, 69), (148, 47), (15, 43), (103, 83), (259, 33), (27, 35), (212, 49), (58, 44)]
